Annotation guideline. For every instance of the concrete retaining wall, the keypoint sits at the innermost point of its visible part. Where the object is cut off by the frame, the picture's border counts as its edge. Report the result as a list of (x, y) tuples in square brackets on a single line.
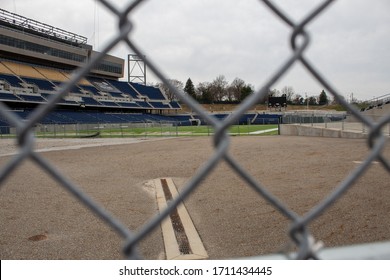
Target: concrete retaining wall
[(300, 130)]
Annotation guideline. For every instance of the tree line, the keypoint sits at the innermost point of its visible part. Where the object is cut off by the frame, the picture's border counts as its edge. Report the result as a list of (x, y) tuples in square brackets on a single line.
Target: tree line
[(221, 91)]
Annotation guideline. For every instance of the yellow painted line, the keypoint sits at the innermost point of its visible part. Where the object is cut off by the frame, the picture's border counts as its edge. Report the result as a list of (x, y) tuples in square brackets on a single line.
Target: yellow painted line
[(172, 250), (360, 162)]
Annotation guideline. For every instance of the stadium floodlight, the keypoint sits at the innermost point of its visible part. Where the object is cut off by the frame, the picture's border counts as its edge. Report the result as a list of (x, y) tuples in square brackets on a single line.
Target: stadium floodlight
[(136, 69)]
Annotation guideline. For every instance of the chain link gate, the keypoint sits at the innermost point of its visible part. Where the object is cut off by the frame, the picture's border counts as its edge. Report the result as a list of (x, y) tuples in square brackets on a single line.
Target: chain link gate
[(299, 232)]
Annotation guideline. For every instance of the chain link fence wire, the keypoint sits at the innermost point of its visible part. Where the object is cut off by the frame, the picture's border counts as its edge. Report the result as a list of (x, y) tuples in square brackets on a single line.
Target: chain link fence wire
[(299, 232)]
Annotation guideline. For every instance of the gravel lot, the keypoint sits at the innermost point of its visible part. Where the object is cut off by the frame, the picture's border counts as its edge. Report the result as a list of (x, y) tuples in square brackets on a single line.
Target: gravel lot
[(41, 220)]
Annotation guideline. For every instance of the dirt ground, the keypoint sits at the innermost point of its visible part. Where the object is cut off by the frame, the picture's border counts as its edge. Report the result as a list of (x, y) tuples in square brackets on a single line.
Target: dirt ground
[(41, 220)]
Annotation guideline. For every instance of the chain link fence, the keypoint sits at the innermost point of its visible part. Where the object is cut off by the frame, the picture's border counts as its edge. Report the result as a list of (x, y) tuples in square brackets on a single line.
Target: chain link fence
[(299, 230), (339, 122)]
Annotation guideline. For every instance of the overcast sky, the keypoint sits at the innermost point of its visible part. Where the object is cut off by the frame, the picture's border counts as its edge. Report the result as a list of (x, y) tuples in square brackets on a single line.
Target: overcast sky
[(201, 39)]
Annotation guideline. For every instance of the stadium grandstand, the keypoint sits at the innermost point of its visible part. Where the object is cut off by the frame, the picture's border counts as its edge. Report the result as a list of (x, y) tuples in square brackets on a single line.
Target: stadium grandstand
[(36, 59)]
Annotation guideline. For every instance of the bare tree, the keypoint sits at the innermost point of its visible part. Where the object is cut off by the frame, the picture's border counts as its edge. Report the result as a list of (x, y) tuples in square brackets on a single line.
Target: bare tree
[(170, 95), (218, 88), (234, 91), (273, 92), (298, 99), (311, 100), (288, 91)]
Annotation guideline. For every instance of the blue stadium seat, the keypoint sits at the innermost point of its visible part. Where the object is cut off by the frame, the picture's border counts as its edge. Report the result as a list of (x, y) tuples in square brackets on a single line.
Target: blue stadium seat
[(159, 105), (124, 87), (129, 105), (47, 96), (32, 98), (11, 80), (62, 116), (108, 103), (89, 101), (144, 104), (8, 96), (267, 119), (116, 94), (40, 83), (246, 118), (91, 89), (151, 92), (175, 105), (75, 89)]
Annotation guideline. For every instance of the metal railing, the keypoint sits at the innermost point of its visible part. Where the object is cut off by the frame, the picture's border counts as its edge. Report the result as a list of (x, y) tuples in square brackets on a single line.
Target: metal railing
[(299, 230), (338, 122)]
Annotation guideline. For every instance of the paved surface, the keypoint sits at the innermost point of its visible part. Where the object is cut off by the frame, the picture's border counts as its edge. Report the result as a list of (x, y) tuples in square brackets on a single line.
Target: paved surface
[(39, 220)]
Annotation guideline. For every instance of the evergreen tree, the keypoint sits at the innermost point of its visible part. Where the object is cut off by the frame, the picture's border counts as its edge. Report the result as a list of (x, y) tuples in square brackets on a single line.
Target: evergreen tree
[(323, 98), (203, 93), (189, 88), (246, 91)]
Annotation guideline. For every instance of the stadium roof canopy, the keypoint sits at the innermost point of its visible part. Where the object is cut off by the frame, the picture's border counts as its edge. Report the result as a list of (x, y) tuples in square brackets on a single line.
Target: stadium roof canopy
[(33, 26)]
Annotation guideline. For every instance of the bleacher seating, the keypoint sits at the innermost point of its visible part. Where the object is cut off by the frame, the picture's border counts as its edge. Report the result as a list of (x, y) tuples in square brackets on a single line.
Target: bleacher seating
[(128, 105), (105, 117), (23, 114), (157, 118), (74, 89), (25, 86), (69, 102), (144, 104), (11, 80), (159, 105), (4, 127), (56, 118), (266, 119), (32, 98), (80, 116), (108, 103), (47, 96), (89, 101), (94, 117), (131, 118), (151, 92), (8, 96), (91, 89), (103, 86), (175, 105), (220, 116), (41, 84), (116, 94), (182, 119), (124, 87), (246, 118)]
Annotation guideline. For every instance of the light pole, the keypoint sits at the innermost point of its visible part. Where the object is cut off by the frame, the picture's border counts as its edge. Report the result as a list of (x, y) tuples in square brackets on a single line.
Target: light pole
[(307, 102)]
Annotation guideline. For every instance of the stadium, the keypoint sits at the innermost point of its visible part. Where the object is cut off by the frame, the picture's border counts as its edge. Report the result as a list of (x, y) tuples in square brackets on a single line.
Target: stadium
[(284, 195), (37, 59)]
